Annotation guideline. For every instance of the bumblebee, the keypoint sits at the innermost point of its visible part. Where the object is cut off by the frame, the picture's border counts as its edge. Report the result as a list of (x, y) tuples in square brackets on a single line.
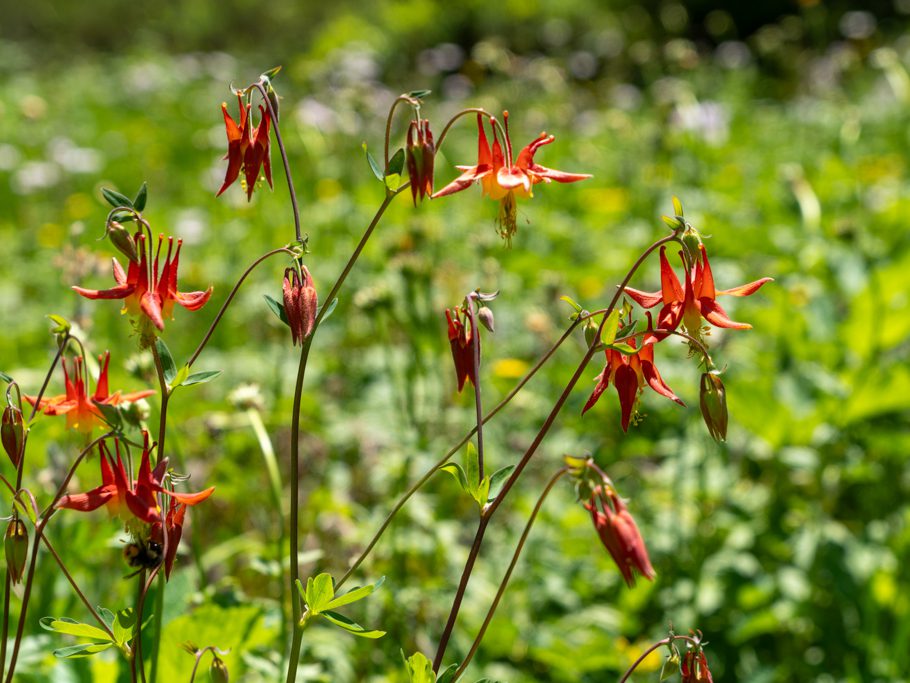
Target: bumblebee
[(143, 554)]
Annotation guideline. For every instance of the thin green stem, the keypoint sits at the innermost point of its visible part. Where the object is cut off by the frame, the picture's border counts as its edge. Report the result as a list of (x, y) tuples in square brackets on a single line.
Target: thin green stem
[(388, 126), (406, 496), (230, 298), (296, 610), (508, 575), (284, 158), (271, 466)]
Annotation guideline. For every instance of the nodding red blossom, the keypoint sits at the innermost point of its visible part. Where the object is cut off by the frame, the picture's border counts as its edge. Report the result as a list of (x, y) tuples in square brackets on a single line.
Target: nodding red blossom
[(146, 289), (173, 527), (79, 408), (461, 338), (619, 534), (504, 178), (697, 300), (694, 667), (630, 374), (248, 150), (300, 303), (421, 154), (117, 493)]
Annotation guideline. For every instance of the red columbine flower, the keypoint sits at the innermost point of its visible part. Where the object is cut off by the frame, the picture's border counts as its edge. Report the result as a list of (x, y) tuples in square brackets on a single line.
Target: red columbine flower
[(173, 525), (117, 492), (688, 306), (619, 534), (694, 668), (503, 179), (420, 157), (79, 408), (461, 336), (247, 150), (630, 374), (300, 303), (146, 291)]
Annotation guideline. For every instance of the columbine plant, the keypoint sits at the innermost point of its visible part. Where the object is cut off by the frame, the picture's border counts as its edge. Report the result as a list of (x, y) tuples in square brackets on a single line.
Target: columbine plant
[(145, 498)]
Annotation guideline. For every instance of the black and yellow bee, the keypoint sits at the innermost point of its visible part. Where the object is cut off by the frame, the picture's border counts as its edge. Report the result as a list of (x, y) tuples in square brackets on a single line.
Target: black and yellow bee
[(143, 554)]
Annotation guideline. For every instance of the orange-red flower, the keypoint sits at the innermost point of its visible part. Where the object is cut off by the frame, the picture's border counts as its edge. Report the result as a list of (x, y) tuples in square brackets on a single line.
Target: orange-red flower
[(504, 178), (630, 374), (79, 408), (118, 493), (619, 534), (248, 150), (461, 338), (694, 667), (148, 290), (421, 153), (173, 526), (696, 301)]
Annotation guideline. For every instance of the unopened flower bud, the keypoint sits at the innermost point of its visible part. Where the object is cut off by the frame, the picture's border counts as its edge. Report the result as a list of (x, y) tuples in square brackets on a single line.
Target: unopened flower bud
[(590, 332), (12, 433), (16, 546), (420, 155), (299, 303), (485, 316), (694, 668), (692, 243), (218, 671), (713, 401), (122, 239)]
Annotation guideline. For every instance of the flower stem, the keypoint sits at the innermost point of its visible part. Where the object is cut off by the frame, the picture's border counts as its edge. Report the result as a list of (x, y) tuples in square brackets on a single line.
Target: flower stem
[(508, 575), (490, 510), (388, 125), (655, 646), (271, 465), (284, 158), (478, 404), (230, 298)]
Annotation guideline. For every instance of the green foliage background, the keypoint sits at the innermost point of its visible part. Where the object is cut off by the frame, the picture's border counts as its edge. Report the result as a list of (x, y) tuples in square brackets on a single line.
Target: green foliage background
[(785, 135)]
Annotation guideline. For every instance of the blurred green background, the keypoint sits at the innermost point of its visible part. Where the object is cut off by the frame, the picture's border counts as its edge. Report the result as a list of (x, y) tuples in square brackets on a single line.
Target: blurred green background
[(782, 127)]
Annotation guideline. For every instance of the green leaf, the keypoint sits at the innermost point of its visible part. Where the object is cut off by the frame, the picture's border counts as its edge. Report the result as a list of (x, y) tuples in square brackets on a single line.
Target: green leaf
[(455, 470), (396, 163), (482, 492), (354, 595), (201, 377), (115, 199), (141, 197), (111, 414), (181, 376), (393, 181), (448, 675), (167, 360), (373, 165), (319, 592), (72, 627), (672, 223), (62, 325), (28, 510), (419, 94), (81, 650), (342, 621), (328, 311), (677, 206), (610, 327), (6, 378), (472, 468), (624, 349), (124, 625), (497, 479), (277, 308), (420, 669), (271, 73), (573, 304)]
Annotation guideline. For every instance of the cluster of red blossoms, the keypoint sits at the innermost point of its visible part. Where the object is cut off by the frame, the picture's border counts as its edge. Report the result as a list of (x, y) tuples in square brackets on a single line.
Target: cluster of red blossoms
[(139, 497), (684, 306)]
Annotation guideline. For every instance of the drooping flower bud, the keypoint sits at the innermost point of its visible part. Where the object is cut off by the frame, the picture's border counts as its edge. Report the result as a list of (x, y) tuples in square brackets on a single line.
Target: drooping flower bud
[(485, 316), (16, 546), (12, 433), (694, 667), (713, 402), (123, 241), (421, 152), (299, 303), (218, 671), (619, 535), (461, 338)]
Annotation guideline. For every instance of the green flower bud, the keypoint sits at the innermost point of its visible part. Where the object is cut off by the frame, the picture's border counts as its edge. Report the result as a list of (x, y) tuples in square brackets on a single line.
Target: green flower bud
[(218, 671), (12, 433), (713, 401), (122, 239), (485, 316), (16, 546)]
